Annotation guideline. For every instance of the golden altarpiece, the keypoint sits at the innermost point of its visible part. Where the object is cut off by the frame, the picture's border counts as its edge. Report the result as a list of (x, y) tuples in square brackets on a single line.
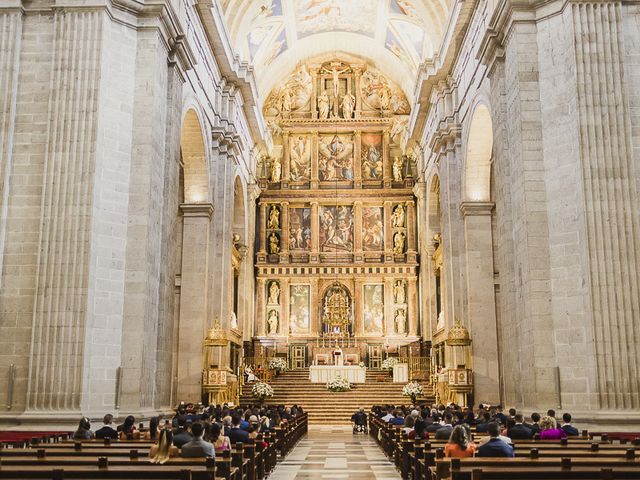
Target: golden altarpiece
[(336, 257)]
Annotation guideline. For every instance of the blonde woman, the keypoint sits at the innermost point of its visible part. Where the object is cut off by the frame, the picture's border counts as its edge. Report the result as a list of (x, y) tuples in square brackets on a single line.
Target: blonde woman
[(164, 449), (549, 429)]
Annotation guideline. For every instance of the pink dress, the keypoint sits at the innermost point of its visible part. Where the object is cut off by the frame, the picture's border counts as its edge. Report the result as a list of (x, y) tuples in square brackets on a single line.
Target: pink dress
[(552, 434)]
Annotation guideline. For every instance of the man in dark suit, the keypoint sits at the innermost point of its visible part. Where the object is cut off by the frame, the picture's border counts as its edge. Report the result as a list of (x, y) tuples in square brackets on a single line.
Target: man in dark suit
[(197, 447), (519, 431), (500, 417), (444, 432), (535, 425), (236, 434), (182, 435), (435, 425), (107, 431), (481, 424), (569, 429), (495, 447)]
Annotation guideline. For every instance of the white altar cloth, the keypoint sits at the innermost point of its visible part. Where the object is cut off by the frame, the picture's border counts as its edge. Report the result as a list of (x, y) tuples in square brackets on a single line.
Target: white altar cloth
[(326, 373)]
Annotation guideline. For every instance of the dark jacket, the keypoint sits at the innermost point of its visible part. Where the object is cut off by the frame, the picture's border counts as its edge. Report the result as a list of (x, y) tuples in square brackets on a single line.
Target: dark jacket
[(181, 438), (106, 432), (495, 448), (570, 430), (534, 427), (197, 448), (519, 432), (444, 432), (238, 435), (397, 421)]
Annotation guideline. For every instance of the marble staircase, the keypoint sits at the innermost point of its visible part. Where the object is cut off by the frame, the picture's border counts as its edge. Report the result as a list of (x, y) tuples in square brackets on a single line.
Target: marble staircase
[(334, 408)]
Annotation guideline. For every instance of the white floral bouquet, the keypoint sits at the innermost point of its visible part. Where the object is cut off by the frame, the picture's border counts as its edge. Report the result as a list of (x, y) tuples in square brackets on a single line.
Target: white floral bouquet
[(278, 363), (339, 384), (262, 390), (413, 390), (389, 363)]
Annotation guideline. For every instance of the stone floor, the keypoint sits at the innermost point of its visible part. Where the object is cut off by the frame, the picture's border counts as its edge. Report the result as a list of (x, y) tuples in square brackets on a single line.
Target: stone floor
[(334, 452)]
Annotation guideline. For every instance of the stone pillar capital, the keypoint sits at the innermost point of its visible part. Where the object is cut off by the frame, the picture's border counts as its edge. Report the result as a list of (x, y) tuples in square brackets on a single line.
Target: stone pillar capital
[(476, 208), (197, 209)]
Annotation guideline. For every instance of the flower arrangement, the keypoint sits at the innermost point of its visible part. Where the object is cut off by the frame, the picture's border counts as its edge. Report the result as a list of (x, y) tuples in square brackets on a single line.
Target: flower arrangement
[(261, 391), (389, 363), (279, 364), (361, 365), (413, 390), (339, 384)]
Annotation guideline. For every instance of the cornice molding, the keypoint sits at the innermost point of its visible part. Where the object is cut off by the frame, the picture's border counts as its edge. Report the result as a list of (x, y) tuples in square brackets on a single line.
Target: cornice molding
[(469, 209)]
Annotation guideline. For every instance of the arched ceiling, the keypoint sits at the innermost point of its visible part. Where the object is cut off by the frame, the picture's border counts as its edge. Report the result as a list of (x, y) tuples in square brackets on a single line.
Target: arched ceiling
[(276, 35)]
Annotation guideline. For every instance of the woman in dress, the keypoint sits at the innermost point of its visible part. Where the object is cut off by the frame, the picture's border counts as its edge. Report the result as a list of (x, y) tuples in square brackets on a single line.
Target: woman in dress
[(219, 441), (459, 444), (164, 449), (549, 429), (84, 430)]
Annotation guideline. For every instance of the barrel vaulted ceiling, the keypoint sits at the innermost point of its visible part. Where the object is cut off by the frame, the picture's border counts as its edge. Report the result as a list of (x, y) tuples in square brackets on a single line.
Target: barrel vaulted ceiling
[(277, 35)]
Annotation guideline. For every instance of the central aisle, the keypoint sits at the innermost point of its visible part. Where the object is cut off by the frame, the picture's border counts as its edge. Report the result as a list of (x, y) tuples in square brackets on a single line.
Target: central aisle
[(333, 452)]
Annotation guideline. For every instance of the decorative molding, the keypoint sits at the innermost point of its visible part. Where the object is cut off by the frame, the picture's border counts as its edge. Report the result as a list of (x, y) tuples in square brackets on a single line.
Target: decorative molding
[(476, 208), (197, 209)]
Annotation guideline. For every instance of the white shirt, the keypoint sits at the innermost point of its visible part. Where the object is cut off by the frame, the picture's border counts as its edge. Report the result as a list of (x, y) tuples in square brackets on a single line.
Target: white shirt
[(387, 417)]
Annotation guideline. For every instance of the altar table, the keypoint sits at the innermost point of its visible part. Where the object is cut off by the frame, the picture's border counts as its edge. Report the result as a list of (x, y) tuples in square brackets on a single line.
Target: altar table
[(326, 373)]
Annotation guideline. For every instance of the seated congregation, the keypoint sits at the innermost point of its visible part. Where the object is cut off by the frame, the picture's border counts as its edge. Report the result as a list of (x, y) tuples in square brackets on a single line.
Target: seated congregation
[(196, 443), (460, 443)]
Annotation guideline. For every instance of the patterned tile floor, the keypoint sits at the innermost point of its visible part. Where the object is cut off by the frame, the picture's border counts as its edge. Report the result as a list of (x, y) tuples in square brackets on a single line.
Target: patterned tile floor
[(334, 452)]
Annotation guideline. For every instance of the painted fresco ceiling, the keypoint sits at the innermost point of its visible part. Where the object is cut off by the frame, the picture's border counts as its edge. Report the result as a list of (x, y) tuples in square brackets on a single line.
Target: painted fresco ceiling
[(277, 35)]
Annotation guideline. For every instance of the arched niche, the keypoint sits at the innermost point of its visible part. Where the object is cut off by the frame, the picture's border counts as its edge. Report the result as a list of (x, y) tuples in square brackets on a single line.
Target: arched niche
[(194, 159), (477, 185)]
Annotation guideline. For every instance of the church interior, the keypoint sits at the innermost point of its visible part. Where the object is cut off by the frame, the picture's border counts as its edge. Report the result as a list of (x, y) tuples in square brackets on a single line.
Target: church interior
[(429, 206)]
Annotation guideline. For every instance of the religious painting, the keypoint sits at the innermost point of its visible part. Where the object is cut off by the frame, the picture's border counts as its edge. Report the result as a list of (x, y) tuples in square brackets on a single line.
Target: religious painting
[(404, 7), (337, 310), (293, 95), (300, 229), (373, 315), (372, 229), (318, 16), (300, 158), (392, 43), (336, 228), (278, 47), (412, 35), (257, 37), (335, 157), (372, 157), (378, 94), (299, 308)]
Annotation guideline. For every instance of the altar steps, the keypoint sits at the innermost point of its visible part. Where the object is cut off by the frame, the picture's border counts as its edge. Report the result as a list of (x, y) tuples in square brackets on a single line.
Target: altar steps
[(333, 408)]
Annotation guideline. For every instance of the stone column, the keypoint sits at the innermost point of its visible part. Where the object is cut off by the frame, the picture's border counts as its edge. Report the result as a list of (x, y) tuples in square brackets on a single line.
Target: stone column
[(411, 231), (284, 307), (357, 159), (315, 231), (412, 305), (314, 302), (386, 161), (481, 298), (357, 73), (314, 93), (389, 307), (193, 297), (357, 207), (388, 233), (359, 307), (284, 233), (286, 167), (260, 307), (314, 160)]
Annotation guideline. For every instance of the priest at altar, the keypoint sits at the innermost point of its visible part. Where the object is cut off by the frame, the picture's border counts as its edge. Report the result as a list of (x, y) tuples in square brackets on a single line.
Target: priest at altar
[(338, 357)]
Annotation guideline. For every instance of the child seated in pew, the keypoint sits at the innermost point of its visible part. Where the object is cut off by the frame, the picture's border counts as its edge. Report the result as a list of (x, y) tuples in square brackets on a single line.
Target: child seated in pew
[(163, 450), (459, 444)]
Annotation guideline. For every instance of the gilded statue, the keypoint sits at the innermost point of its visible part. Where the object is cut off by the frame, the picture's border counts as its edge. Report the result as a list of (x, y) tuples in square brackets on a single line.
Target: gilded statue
[(397, 217), (398, 242), (323, 105), (272, 322), (348, 103), (276, 170), (401, 322), (398, 164), (399, 292), (274, 244), (385, 97), (286, 101), (274, 218), (274, 294)]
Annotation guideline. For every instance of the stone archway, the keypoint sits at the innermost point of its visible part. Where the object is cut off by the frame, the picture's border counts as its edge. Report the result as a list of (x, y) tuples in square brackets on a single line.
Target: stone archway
[(196, 213), (477, 209)]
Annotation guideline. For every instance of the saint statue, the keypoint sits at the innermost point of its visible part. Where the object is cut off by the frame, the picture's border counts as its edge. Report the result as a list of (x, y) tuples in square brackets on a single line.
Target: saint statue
[(397, 217), (276, 170), (286, 101), (338, 359), (398, 242), (348, 103), (234, 321), (272, 322), (440, 323), (398, 164), (401, 322), (274, 218), (399, 292), (323, 105), (274, 294), (385, 97), (274, 244)]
